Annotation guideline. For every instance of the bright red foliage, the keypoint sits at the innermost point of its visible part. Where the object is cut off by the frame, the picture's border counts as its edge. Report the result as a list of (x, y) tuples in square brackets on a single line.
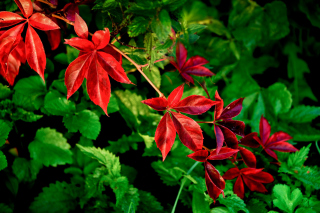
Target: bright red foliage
[(194, 66), (9, 40), (94, 64), (227, 128), (253, 178), (277, 141), (188, 130)]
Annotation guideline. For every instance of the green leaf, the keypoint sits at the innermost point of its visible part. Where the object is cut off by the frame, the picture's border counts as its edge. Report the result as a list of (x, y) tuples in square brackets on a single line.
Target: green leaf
[(4, 91), (72, 54), (4, 131), (5, 209), (3, 161), (58, 197), (285, 199), (161, 25), (86, 121), (232, 202), (85, 12), (26, 170), (301, 114), (104, 157), (61, 58), (311, 11), (130, 200), (199, 205), (219, 210), (300, 132), (119, 186), (256, 206), (26, 116), (57, 104), (148, 203), (218, 28), (169, 176), (50, 148), (298, 158), (138, 26), (10, 5), (149, 43), (279, 98), (29, 93), (153, 74), (124, 143)]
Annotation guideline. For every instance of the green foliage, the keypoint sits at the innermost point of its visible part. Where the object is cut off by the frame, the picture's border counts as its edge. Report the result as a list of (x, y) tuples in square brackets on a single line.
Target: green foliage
[(3, 161), (233, 202), (4, 91), (285, 199), (139, 25), (148, 203), (26, 170)]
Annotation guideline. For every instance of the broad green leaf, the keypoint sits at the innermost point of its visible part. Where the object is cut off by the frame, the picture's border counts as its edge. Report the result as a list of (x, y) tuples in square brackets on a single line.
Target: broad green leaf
[(232, 202), (300, 132), (219, 210), (104, 157), (218, 28), (86, 121), (124, 143), (130, 200), (50, 148), (61, 58), (29, 93), (10, 6), (3, 161), (4, 131), (26, 170), (301, 114), (57, 104), (174, 4), (199, 205), (149, 44), (148, 203), (169, 176), (256, 206), (129, 172), (286, 200), (153, 74), (58, 197), (4, 91), (279, 98), (161, 25), (119, 186), (59, 85), (139, 25), (26, 116), (298, 158), (72, 54)]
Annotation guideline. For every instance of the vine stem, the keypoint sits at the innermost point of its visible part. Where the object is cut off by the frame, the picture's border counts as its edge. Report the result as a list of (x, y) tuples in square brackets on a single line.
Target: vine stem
[(182, 184), (317, 147), (48, 3), (205, 122), (139, 69)]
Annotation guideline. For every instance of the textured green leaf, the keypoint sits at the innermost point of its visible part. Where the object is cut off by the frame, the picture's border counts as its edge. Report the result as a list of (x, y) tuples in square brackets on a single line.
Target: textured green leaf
[(104, 157), (4, 131), (161, 25), (86, 121), (153, 74), (199, 205), (4, 91), (138, 26), (124, 143), (3, 161), (120, 186), (58, 197), (26, 170), (298, 158), (256, 206), (57, 104), (130, 200), (300, 132), (279, 98), (285, 199), (219, 210), (26, 116), (301, 114), (50, 148), (29, 93), (232, 202), (169, 176), (148, 203), (72, 54), (149, 43)]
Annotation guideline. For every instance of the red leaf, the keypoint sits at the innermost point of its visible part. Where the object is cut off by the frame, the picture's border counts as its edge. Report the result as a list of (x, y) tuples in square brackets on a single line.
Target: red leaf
[(224, 153), (158, 104), (229, 137), (219, 137), (19, 52), (115, 54), (198, 71), (42, 22), (238, 188), (13, 66), (81, 27), (54, 36), (188, 130), (6, 46), (81, 44), (200, 155), (98, 85), (113, 67), (236, 127), (265, 130), (101, 38), (231, 173), (194, 105), (249, 140), (219, 107), (262, 177), (279, 137), (8, 19), (76, 72), (254, 185), (165, 135), (232, 110), (35, 54), (195, 61), (175, 96), (70, 11), (25, 7), (282, 147), (181, 54), (215, 183), (248, 157), (54, 2)]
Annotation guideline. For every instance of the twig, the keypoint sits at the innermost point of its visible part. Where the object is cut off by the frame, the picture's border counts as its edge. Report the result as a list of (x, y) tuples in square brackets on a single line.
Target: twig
[(47, 3), (205, 122), (145, 65)]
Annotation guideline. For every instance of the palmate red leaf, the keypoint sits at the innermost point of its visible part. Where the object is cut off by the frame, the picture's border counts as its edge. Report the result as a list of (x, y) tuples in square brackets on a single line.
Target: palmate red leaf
[(249, 140), (219, 107), (265, 130), (195, 61), (188, 130), (98, 85), (232, 110), (200, 155), (80, 27), (236, 127), (54, 36), (81, 44), (175, 96), (101, 38), (214, 182), (70, 11), (248, 157), (42, 22), (194, 105), (181, 54), (165, 135), (35, 54), (158, 104), (8, 19), (25, 7), (219, 137), (224, 153), (115, 54)]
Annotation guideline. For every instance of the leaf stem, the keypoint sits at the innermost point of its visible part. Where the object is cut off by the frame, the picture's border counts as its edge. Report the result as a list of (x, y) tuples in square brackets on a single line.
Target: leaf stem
[(182, 184), (205, 122), (317, 147), (138, 68), (47, 3)]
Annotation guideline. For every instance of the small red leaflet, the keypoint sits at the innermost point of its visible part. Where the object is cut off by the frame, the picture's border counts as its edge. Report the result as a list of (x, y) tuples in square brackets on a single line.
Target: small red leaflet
[(9, 40), (277, 141), (227, 128), (194, 66), (253, 178), (95, 63), (214, 182), (188, 130)]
